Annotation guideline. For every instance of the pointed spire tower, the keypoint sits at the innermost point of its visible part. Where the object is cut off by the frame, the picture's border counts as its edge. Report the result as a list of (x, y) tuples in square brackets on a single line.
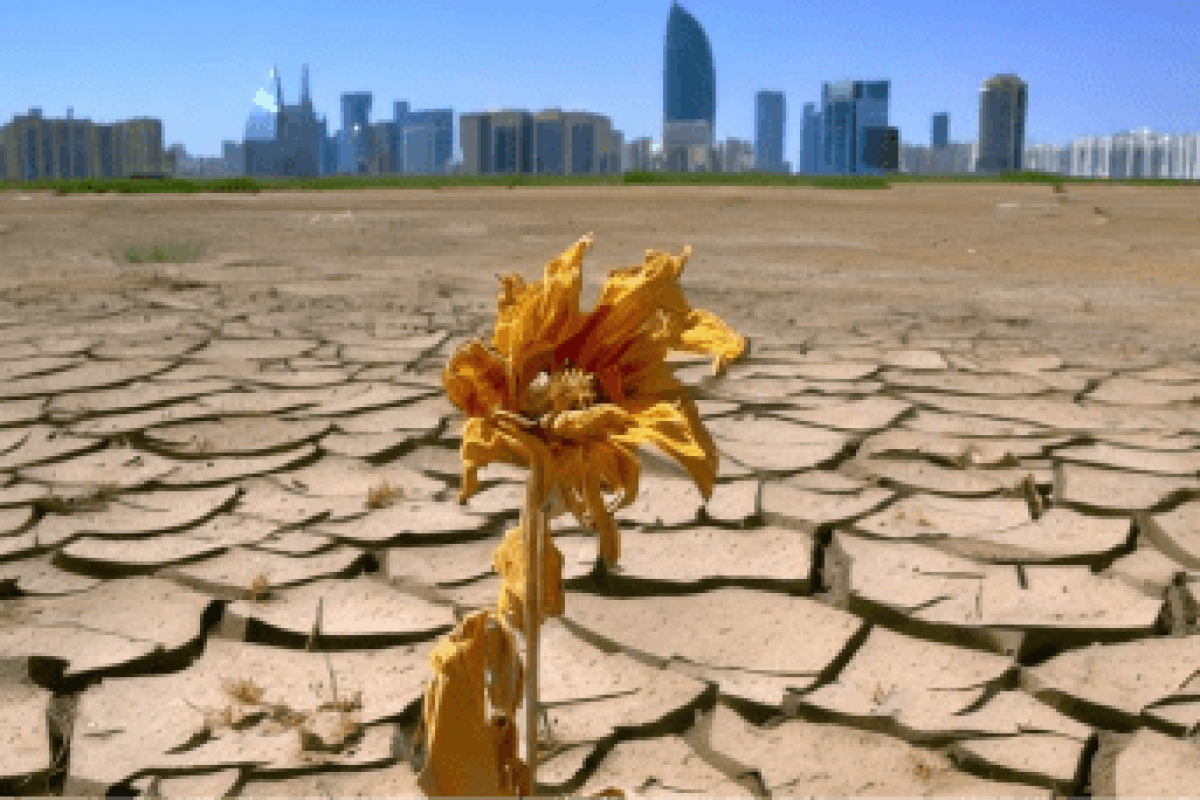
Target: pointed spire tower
[(279, 116), (305, 100)]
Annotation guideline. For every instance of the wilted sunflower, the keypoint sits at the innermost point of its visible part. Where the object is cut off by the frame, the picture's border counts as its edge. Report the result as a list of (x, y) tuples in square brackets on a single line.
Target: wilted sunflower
[(579, 391)]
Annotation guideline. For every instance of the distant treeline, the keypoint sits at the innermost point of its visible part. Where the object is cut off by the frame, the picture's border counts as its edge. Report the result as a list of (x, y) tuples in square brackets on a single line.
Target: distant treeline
[(141, 185)]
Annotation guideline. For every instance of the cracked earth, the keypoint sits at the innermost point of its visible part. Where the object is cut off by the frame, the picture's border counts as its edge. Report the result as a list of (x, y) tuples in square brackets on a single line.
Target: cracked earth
[(954, 548)]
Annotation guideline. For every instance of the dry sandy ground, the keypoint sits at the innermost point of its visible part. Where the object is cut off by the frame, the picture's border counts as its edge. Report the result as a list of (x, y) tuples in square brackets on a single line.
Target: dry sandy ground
[(954, 549)]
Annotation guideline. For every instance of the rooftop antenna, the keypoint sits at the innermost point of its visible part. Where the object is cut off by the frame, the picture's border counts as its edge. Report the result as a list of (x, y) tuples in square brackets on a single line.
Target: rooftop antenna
[(304, 99)]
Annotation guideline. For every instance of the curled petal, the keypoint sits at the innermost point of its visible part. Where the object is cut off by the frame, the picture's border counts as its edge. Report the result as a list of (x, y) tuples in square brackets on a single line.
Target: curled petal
[(609, 544), (486, 440), (629, 299), (511, 562), (534, 319), (453, 716), (705, 332), (597, 422), (680, 435), (508, 676), (476, 379)]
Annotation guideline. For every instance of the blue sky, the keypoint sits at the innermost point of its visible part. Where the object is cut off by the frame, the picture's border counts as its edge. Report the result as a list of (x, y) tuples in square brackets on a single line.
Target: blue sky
[(1093, 67)]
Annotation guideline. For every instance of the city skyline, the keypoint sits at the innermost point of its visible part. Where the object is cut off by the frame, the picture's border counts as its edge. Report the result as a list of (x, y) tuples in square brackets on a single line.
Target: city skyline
[(606, 60)]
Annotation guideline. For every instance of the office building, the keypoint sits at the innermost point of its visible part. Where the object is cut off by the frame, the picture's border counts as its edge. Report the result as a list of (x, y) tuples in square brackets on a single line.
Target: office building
[(689, 88), (424, 140), (736, 156), (855, 132), (295, 145), (940, 133), (36, 147), (811, 157), (234, 154), (379, 153), (770, 119), (352, 138), (1003, 103), (551, 141), (953, 158), (638, 155), (682, 139)]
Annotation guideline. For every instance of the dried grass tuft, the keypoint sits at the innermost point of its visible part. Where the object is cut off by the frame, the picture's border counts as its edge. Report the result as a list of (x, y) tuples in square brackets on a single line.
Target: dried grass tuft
[(383, 495), (244, 690), (260, 588)]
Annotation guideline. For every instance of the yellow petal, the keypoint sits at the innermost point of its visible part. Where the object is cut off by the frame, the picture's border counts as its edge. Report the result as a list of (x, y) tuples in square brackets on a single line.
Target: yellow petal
[(705, 332), (454, 718), (476, 379), (609, 544), (677, 431), (629, 299), (486, 440), (600, 421), (536, 318), (510, 560), (508, 676)]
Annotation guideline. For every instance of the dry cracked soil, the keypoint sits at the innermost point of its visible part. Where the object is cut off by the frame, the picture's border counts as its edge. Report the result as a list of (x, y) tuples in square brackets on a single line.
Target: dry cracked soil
[(954, 548)]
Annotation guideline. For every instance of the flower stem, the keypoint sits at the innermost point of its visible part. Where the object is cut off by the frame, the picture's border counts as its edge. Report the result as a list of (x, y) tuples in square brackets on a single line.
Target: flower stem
[(534, 522)]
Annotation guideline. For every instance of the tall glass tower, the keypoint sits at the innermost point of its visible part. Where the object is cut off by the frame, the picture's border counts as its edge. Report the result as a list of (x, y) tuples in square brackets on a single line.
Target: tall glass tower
[(1003, 103), (941, 129), (769, 131), (689, 80)]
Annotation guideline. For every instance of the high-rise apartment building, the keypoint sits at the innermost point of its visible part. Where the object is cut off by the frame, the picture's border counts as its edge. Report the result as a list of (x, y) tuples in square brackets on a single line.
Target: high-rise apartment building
[(1003, 104), (689, 88), (770, 121), (36, 147), (940, 134), (855, 132), (1139, 153), (551, 141)]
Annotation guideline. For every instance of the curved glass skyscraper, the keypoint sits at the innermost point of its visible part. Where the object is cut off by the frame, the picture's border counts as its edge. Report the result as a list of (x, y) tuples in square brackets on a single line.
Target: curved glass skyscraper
[(689, 81)]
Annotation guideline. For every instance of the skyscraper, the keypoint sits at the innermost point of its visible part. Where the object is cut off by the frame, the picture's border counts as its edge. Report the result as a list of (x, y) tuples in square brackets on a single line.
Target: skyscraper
[(770, 119), (810, 153), (424, 140), (352, 138), (290, 142), (1003, 103), (940, 135), (857, 138), (689, 84)]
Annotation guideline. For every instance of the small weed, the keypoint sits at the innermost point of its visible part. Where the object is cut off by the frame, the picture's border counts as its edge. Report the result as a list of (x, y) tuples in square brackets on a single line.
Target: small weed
[(244, 691), (260, 588), (1009, 460), (95, 500), (926, 771), (880, 694), (383, 495), (968, 458), (172, 253)]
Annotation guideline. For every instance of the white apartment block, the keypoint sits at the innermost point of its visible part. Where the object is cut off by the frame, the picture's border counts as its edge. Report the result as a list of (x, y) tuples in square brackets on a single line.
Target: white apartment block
[(1139, 153), (956, 157), (735, 155)]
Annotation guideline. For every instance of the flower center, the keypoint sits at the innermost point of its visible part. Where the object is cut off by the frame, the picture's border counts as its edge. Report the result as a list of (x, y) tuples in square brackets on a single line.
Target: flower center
[(568, 389)]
